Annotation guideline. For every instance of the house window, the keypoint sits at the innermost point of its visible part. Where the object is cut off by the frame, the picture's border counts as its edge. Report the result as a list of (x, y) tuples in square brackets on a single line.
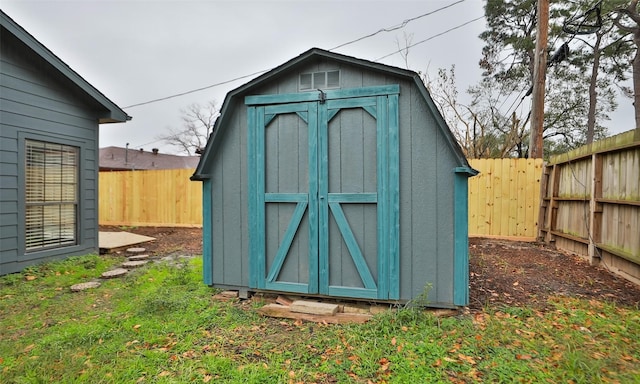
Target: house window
[(51, 195), (319, 80)]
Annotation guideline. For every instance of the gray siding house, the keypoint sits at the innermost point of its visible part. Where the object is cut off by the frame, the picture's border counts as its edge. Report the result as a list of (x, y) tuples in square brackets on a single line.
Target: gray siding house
[(335, 176), (49, 118)]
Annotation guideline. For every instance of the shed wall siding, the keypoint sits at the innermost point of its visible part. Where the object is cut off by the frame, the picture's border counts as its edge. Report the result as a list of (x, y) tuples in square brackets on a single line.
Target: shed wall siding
[(33, 104), (426, 202), (229, 206)]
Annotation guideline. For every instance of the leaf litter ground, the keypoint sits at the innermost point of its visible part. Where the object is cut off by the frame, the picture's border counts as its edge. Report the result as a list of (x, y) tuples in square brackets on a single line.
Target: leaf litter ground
[(535, 314)]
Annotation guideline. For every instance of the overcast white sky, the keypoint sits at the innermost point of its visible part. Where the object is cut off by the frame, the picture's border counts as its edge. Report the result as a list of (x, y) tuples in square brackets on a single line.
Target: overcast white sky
[(137, 51)]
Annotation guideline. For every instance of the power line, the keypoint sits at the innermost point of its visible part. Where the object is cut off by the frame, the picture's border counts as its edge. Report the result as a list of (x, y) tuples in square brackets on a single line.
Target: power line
[(396, 27), (388, 29), (430, 38), (195, 90)]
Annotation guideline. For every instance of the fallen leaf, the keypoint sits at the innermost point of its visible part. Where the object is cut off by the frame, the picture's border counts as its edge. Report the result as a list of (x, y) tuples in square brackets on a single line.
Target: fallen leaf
[(393, 341), (466, 358), (28, 348), (207, 378), (524, 357), (164, 373), (516, 284), (30, 278), (137, 326)]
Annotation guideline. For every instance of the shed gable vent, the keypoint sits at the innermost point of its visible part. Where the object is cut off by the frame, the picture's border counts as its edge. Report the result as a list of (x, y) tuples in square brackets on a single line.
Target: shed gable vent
[(319, 80)]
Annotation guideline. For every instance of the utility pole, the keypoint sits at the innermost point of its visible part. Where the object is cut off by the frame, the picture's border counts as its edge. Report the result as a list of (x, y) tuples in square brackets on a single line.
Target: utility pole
[(539, 74)]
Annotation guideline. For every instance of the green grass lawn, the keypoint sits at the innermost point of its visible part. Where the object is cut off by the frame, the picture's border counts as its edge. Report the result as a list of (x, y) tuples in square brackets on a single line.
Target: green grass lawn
[(160, 325)]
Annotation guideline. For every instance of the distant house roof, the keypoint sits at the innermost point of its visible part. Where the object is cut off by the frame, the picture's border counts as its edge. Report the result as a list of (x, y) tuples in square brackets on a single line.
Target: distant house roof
[(124, 159), (110, 112)]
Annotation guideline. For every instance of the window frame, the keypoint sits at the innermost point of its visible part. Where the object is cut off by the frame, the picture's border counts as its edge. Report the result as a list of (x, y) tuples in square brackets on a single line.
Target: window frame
[(49, 251), (313, 76)]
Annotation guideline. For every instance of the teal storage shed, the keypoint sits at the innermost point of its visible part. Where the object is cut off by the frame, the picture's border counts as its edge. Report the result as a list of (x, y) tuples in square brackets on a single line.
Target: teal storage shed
[(335, 176)]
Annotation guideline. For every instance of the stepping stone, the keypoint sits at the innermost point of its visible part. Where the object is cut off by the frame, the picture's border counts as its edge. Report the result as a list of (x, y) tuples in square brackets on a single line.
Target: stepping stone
[(136, 250), (84, 286), (137, 257), (114, 273), (134, 264)]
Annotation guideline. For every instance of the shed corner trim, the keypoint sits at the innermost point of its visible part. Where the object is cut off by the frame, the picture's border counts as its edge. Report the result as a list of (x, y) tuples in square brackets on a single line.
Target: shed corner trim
[(461, 237), (468, 170)]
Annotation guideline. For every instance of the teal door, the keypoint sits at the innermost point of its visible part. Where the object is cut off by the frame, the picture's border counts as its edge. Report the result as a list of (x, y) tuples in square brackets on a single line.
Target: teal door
[(323, 192)]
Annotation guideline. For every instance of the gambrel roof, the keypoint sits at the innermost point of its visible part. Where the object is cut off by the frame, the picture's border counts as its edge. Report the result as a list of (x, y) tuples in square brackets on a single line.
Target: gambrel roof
[(236, 97)]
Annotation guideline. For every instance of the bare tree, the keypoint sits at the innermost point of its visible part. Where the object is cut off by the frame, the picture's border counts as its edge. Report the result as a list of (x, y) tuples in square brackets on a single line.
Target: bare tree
[(479, 127), (198, 123)]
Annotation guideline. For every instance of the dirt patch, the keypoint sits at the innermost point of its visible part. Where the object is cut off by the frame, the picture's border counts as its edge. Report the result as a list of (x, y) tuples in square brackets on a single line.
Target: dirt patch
[(520, 273), (501, 272), (168, 240)]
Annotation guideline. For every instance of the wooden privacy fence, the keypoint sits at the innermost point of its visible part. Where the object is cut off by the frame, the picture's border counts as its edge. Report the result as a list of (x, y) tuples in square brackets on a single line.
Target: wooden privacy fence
[(504, 199), (150, 198), (591, 203)]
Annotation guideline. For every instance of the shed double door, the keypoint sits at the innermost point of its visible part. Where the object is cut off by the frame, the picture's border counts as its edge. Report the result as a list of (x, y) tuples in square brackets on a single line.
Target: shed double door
[(323, 192)]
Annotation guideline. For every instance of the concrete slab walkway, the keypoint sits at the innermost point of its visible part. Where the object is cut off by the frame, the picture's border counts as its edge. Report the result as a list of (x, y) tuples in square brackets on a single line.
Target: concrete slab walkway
[(108, 241)]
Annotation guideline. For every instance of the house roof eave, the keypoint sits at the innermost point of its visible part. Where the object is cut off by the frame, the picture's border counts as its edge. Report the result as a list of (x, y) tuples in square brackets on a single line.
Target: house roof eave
[(114, 113)]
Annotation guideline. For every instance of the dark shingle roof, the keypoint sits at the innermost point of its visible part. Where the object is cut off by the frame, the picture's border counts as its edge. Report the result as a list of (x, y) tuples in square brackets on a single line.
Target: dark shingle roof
[(121, 159)]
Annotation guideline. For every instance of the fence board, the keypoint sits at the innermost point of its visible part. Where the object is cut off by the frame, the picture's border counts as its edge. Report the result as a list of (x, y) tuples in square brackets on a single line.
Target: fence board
[(504, 199), (150, 198)]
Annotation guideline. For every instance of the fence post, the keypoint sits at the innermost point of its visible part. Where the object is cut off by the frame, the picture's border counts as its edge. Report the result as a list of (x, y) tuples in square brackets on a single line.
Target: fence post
[(595, 208), (544, 202), (552, 210)]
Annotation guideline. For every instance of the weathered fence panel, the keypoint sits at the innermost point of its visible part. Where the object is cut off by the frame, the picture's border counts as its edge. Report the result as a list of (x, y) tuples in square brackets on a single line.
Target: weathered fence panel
[(504, 198), (591, 203), (150, 198)]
